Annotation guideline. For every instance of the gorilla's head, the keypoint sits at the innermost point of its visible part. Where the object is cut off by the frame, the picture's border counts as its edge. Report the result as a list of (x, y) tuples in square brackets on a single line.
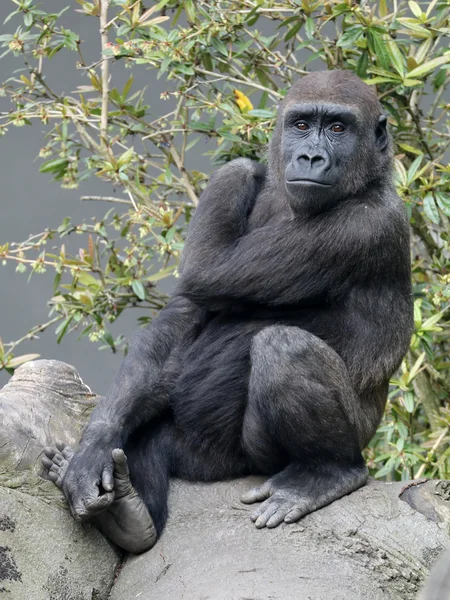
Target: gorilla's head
[(330, 142)]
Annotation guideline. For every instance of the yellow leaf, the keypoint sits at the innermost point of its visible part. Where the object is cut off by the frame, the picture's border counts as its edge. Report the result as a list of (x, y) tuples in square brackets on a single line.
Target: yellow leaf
[(242, 101), (383, 8), (412, 63), (26, 80)]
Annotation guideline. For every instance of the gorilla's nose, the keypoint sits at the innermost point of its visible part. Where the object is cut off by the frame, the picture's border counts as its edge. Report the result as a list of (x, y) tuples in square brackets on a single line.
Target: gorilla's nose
[(313, 162)]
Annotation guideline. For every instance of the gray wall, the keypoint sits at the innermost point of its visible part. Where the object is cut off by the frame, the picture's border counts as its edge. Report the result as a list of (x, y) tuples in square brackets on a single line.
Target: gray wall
[(31, 202)]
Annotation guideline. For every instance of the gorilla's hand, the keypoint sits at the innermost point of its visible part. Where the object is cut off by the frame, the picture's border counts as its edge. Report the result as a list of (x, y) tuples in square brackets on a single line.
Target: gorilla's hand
[(87, 482), (236, 185)]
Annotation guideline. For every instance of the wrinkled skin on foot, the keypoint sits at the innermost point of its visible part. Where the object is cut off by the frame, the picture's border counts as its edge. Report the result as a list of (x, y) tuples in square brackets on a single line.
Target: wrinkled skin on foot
[(296, 492), (85, 477), (119, 512)]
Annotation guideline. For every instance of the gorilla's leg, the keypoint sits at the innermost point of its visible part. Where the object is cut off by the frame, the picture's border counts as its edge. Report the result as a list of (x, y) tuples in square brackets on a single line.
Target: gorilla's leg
[(134, 513), (301, 411)]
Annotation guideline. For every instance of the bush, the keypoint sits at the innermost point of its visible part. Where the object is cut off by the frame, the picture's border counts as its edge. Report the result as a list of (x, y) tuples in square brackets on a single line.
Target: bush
[(225, 75)]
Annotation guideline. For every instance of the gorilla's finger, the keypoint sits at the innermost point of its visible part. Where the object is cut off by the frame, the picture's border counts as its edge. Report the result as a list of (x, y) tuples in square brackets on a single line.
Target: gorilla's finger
[(58, 459), (108, 479), (257, 494), (53, 476), (78, 510), (100, 503), (294, 515), (263, 519), (47, 462), (50, 452), (121, 462), (65, 450), (278, 516), (260, 510)]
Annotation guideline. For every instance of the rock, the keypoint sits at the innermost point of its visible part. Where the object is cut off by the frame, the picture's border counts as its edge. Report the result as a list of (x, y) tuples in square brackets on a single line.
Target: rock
[(437, 586), (44, 401), (371, 544), (377, 543), (44, 553)]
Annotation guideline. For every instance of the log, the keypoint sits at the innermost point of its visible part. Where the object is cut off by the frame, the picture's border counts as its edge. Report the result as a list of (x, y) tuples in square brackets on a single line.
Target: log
[(377, 543)]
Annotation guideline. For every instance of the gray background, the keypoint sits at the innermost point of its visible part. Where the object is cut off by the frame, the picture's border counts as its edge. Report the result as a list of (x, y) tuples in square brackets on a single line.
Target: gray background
[(31, 202)]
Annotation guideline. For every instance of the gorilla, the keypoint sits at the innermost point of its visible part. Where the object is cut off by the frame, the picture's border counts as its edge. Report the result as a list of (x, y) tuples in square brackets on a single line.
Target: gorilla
[(273, 357)]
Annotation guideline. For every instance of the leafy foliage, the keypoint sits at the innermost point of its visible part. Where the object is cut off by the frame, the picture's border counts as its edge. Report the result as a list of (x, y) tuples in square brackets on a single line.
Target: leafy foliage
[(227, 64)]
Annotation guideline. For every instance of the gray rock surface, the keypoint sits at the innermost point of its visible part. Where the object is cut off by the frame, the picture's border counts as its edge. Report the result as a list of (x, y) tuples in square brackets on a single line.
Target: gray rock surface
[(378, 543), (44, 401), (370, 545), (44, 553)]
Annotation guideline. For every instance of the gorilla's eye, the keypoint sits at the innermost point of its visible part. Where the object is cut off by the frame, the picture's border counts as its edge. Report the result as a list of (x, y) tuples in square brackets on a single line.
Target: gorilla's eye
[(302, 126), (336, 128)]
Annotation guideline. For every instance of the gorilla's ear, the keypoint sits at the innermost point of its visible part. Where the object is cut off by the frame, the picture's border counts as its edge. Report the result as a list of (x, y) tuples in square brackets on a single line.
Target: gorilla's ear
[(381, 133)]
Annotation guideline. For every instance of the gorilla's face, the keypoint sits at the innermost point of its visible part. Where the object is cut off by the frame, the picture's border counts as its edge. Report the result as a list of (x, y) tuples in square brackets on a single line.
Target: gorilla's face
[(325, 149)]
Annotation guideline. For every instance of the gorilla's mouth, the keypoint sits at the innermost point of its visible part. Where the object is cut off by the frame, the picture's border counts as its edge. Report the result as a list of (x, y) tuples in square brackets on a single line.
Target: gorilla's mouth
[(308, 182)]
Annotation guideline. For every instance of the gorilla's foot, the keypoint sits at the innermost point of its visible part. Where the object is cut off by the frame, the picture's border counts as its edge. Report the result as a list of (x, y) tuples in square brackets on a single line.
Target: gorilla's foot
[(125, 519), (298, 491)]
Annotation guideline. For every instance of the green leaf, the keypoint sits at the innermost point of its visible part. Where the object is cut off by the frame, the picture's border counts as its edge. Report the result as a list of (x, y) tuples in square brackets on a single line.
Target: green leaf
[(386, 469), (422, 51), (408, 400), (429, 66), (309, 28), (350, 36), (62, 328), (261, 113), (361, 67), (402, 429), (293, 31), (108, 338), (219, 46), (51, 166), (138, 289), (382, 55), (430, 209), (410, 149), (439, 80), (443, 201), (431, 321), (396, 57), (414, 168), (415, 9), (127, 87), (412, 82), (417, 314), (376, 80)]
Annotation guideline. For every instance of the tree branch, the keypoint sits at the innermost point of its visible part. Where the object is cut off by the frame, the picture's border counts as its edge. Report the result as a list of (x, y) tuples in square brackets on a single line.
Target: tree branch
[(105, 71)]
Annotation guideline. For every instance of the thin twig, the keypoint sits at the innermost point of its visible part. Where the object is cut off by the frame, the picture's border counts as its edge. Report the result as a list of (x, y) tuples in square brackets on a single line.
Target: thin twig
[(187, 184), (105, 199), (105, 71), (241, 81), (32, 333)]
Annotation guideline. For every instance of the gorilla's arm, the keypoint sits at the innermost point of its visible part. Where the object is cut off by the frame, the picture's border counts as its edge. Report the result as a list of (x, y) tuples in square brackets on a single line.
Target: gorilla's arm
[(137, 396), (289, 260)]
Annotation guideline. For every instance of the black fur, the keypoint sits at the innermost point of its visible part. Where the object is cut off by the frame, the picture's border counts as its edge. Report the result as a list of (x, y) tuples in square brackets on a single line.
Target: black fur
[(293, 310)]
